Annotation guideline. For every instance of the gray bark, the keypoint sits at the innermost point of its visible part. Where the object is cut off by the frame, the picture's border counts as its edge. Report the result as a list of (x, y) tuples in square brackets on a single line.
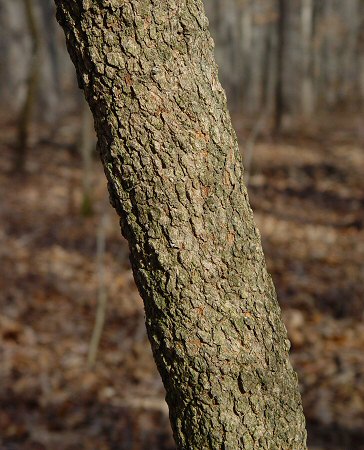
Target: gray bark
[(15, 48), (175, 178)]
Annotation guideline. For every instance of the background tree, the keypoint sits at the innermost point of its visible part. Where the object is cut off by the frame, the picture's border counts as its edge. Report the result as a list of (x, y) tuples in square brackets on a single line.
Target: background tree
[(31, 86), (307, 19), (175, 178), (279, 99), (321, 58)]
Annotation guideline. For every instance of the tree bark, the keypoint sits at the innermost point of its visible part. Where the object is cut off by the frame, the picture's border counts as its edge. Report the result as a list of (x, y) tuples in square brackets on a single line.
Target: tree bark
[(175, 178)]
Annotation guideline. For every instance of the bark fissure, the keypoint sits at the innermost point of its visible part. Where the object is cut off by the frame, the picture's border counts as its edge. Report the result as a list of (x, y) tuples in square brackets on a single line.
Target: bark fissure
[(175, 178)]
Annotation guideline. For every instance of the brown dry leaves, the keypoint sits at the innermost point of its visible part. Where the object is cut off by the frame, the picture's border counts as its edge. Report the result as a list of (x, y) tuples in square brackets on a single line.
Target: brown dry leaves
[(308, 203)]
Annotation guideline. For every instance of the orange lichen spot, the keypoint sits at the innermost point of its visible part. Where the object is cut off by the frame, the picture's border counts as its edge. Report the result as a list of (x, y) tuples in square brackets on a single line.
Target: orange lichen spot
[(230, 238), (202, 136), (200, 310), (204, 154), (193, 346), (161, 110), (205, 191), (128, 79), (147, 21)]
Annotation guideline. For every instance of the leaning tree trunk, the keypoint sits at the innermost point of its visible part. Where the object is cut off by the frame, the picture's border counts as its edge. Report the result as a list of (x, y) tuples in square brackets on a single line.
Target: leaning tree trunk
[(175, 178)]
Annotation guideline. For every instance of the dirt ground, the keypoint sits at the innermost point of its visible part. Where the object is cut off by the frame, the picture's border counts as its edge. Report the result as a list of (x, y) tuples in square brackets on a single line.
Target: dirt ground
[(308, 198)]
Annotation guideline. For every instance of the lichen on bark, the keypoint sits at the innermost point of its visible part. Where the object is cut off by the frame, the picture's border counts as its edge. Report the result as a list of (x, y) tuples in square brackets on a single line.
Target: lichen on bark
[(175, 178)]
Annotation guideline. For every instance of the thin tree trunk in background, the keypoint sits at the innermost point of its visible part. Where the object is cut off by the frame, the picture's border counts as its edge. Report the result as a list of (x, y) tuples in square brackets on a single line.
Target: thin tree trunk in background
[(50, 68), (225, 15), (317, 54), (279, 101), (331, 57), (246, 45), (270, 70), (266, 69), (175, 178), (360, 52), (258, 45), (13, 55), (348, 67), (307, 98), (28, 105)]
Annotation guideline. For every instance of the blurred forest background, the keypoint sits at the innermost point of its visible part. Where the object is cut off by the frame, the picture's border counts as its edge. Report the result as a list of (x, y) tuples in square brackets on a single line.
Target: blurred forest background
[(293, 71)]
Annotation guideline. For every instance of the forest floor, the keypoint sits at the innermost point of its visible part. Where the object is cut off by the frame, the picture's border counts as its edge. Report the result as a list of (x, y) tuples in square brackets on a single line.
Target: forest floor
[(308, 197)]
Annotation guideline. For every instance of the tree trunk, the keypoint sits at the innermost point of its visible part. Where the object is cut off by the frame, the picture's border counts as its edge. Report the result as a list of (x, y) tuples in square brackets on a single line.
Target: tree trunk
[(307, 94), (175, 178), (15, 49), (279, 102), (27, 109), (360, 53)]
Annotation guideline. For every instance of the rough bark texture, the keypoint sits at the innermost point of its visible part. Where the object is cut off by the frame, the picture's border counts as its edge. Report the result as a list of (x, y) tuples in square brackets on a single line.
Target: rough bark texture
[(175, 178)]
